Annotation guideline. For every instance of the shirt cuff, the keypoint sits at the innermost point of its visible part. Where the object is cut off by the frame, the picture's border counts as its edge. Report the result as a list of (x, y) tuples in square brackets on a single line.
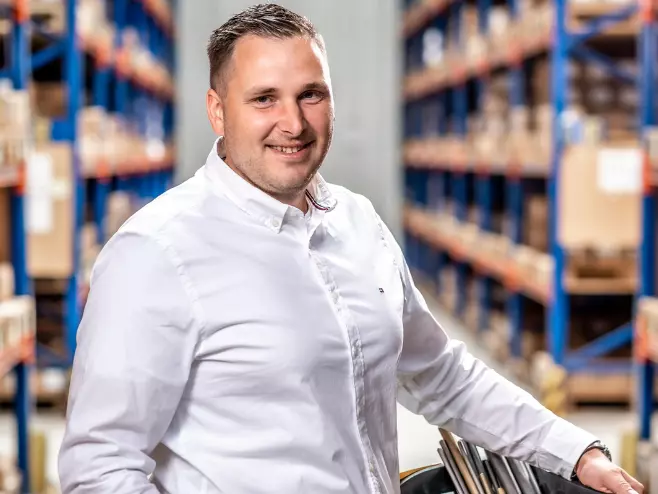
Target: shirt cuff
[(563, 446)]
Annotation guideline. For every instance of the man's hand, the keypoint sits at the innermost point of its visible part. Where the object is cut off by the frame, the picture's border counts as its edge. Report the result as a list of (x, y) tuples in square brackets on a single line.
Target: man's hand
[(596, 471)]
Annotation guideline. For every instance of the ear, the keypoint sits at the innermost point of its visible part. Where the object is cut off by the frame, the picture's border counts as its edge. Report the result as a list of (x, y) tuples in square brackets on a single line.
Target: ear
[(215, 109)]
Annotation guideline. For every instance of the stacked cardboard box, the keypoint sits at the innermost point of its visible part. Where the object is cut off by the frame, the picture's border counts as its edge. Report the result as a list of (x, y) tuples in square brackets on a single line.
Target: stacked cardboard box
[(5, 221), (137, 57), (535, 223), (93, 140), (119, 208), (50, 211), (92, 23), (17, 321), (14, 124), (89, 250), (7, 288), (593, 92), (490, 127), (448, 293)]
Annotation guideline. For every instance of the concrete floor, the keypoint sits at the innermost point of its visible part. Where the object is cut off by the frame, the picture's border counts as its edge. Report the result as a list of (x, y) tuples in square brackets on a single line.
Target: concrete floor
[(418, 440)]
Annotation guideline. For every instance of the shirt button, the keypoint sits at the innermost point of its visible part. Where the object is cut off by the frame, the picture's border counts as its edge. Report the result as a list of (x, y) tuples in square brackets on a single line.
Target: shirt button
[(275, 223)]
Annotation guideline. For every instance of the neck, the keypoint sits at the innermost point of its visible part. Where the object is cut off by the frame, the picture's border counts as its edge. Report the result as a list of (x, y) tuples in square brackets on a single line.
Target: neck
[(298, 202)]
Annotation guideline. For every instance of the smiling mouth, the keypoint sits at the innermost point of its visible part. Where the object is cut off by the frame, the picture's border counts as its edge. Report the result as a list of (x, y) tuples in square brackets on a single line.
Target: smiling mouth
[(290, 149)]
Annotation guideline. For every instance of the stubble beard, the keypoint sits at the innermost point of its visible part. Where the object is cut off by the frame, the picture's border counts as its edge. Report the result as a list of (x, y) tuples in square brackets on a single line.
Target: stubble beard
[(254, 172), (283, 191)]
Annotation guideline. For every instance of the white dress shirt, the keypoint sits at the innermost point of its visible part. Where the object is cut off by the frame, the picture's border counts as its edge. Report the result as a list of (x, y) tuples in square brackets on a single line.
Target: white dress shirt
[(232, 344)]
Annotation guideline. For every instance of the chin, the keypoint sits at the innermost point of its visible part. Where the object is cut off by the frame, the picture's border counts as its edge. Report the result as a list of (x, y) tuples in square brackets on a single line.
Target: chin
[(294, 184)]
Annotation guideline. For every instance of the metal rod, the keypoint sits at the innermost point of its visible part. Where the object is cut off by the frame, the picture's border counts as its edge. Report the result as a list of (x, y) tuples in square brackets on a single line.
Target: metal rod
[(607, 64), (47, 55), (600, 24), (645, 369), (558, 310), (73, 71), (604, 344), (20, 73)]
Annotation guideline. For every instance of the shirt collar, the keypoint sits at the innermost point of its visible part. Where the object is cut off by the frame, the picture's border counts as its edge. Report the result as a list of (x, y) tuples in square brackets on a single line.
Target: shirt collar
[(255, 202)]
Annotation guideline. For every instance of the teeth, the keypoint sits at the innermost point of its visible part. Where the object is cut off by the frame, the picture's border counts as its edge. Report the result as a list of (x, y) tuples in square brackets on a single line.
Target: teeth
[(286, 149)]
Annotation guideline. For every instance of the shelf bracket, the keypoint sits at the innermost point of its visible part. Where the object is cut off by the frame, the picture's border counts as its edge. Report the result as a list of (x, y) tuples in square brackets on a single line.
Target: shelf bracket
[(600, 24), (47, 55), (588, 55), (601, 346)]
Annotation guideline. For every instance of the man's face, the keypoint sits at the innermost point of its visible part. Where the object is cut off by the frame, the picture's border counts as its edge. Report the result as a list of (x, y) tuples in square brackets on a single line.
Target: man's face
[(275, 113)]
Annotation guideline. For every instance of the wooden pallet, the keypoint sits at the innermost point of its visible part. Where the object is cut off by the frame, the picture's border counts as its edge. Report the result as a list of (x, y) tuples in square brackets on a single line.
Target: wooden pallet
[(563, 392)]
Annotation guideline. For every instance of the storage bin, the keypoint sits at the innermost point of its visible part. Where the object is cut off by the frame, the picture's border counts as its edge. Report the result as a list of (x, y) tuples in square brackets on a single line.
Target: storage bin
[(435, 480)]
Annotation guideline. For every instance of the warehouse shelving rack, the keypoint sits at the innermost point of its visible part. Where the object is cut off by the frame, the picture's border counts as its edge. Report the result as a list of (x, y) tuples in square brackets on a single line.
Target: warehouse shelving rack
[(114, 87), (429, 92)]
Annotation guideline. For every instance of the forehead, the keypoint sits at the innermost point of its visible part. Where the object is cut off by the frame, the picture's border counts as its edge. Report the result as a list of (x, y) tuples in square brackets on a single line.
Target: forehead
[(277, 62)]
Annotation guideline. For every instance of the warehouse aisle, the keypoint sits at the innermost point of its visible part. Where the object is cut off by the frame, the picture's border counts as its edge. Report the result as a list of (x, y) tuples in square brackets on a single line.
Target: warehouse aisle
[(417, 439)]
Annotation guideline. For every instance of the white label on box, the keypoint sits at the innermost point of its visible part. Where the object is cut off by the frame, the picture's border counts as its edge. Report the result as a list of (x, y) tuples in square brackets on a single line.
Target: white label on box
[(61, 189), (39, 195), (619, 171)]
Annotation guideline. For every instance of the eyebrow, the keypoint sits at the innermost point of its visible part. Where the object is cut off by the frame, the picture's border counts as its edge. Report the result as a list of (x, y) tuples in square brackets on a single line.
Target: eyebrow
[(261, 90), (318, 86)]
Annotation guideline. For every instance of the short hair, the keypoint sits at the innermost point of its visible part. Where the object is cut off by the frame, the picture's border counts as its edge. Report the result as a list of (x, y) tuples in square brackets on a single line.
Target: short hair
[(267, 20)]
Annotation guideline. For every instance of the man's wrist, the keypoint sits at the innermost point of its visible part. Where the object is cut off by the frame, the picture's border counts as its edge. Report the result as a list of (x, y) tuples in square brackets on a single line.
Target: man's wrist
[(595, 446)]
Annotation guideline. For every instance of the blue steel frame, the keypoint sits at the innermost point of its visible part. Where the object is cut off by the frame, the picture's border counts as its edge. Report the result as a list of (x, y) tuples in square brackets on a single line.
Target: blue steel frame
[(645, 369), (131, 101), (147, 185), (20, 73), (423, 186)]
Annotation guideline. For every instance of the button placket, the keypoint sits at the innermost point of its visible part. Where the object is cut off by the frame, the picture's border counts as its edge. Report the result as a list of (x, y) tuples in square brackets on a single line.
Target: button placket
[(358, 365)]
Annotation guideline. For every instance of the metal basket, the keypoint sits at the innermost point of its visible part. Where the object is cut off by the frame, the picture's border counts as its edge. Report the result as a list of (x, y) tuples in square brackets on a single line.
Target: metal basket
[(435, 480)]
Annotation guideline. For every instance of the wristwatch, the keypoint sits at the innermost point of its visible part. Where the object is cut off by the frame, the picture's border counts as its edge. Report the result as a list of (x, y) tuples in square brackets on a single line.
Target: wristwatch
[(595, 445)]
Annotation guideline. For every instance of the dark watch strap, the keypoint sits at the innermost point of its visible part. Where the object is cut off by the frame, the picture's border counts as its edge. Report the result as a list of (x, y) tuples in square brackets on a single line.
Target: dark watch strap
[(595, 445)]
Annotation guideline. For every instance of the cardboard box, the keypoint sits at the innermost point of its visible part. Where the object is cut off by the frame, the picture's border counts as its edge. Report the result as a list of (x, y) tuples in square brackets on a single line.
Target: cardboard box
[(50, 203), (49, 99), (5, 222), (535, 223), (119, 209), (88, 236), (14, 111), (600, 197), (17, 320), (7, 288)]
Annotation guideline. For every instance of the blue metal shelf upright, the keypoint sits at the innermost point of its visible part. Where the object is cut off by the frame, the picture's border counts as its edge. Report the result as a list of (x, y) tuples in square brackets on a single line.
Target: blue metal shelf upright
[(17, 69), (116, 88), (645, 366), (145, 105), (442, 108)]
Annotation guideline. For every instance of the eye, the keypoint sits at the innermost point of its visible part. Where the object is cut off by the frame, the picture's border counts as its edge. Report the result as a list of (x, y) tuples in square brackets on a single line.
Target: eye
[(312, 96), (263, 100)]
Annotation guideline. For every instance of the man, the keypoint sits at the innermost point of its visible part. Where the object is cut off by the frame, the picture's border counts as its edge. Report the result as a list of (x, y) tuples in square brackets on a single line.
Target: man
[(249, 331)]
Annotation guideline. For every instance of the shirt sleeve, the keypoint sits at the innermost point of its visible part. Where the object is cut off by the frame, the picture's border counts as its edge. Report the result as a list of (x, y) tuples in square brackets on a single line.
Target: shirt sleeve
[(440, 380), (136, 344)]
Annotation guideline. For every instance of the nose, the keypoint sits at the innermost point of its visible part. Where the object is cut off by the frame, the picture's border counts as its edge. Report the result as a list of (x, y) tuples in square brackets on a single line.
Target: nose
[(292, 121)]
